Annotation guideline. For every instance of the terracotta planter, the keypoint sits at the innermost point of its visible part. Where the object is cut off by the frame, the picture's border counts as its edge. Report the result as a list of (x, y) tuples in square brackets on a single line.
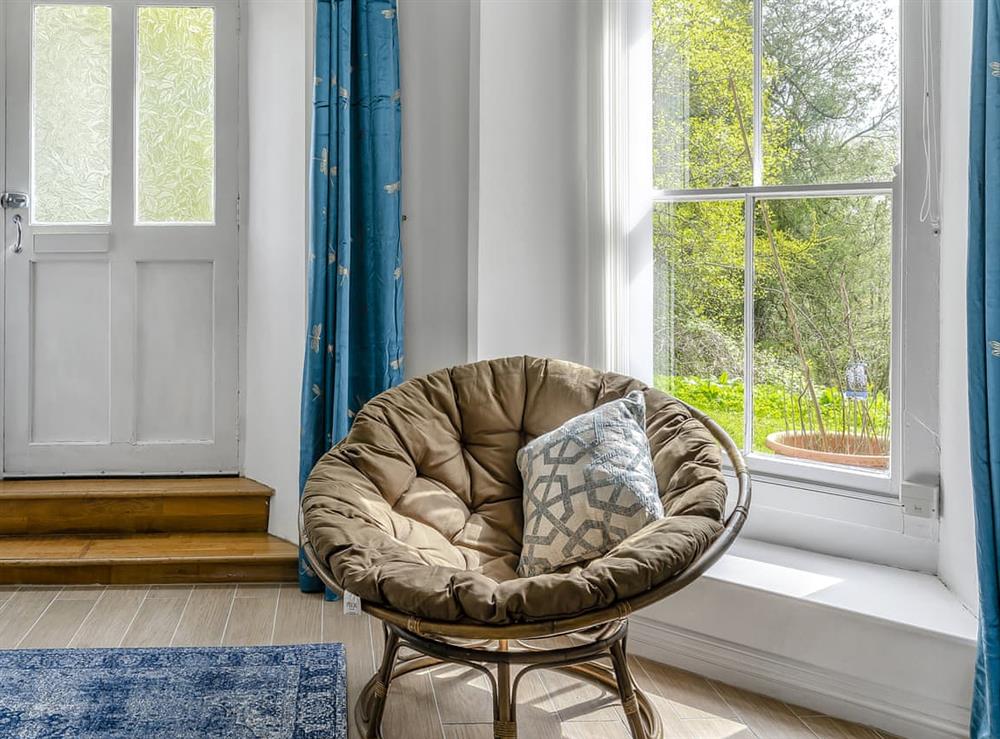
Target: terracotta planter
[(845, 449)]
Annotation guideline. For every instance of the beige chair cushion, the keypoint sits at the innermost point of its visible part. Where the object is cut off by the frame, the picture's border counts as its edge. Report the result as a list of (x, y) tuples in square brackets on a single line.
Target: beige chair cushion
[(419, 508)]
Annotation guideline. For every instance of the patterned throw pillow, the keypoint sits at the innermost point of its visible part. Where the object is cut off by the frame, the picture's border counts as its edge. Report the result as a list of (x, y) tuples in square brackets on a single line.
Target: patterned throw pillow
[(588, 485)]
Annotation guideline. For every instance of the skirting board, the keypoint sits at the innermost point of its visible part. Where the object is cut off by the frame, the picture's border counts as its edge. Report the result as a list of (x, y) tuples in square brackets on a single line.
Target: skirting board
[(845, 696)]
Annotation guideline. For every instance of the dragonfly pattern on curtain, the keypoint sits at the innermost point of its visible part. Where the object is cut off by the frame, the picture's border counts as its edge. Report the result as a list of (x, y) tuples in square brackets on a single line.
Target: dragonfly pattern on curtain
[(354, 336)]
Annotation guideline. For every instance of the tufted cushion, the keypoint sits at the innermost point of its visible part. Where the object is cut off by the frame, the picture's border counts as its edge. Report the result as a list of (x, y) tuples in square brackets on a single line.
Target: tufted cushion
[(419, 507)]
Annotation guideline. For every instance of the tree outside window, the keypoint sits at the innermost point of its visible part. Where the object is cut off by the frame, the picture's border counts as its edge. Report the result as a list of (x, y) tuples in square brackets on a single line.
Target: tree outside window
[(792, 205)]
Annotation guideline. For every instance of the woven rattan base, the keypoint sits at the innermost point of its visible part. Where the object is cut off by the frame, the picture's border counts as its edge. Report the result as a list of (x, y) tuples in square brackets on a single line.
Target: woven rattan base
[(578, 655)]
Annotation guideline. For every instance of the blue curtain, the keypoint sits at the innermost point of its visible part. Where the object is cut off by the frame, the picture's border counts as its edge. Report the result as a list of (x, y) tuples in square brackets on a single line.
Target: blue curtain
[(984, 354), (354, 341)]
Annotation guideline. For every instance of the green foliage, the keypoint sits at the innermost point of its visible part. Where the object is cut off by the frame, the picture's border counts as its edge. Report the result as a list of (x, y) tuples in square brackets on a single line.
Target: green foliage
[(831, 109), (696, 137), (719, 398), (830, 114), (774, 408)]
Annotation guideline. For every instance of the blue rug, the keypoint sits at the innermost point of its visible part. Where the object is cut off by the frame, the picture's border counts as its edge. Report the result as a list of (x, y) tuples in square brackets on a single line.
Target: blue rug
[(267, 692)]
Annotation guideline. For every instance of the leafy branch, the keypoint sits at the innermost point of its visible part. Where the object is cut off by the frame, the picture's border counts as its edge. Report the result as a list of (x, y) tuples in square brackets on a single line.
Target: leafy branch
[(793, 322)]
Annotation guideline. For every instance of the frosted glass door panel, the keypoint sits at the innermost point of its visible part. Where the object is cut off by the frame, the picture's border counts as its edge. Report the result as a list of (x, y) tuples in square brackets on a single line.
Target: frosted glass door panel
[(71, 114), (176, 115)]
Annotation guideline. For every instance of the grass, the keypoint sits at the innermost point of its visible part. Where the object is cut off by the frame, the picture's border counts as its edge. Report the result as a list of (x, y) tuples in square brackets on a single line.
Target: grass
[(774, 408)]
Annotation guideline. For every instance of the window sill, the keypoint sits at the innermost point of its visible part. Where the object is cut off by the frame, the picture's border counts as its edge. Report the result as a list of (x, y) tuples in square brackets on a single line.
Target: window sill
[(911, 600), (874, 644), (839, 521)]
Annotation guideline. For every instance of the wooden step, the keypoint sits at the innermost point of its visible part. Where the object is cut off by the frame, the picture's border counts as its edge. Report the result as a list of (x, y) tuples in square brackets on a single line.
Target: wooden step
[(133, 505), (147, 558)]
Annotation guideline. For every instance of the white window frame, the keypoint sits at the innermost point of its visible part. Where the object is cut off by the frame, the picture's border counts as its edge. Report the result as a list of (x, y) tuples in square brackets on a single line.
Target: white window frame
[(888, 518)]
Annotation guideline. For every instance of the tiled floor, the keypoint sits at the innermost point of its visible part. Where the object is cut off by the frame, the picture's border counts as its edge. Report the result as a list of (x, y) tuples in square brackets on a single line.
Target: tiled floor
[(447, 703)]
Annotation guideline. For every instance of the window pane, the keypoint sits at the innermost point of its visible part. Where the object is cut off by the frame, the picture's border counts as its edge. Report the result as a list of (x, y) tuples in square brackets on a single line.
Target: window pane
[(176, 115), (71, 114), (698, 313), (822, 322), (702, 85), (831, 90)]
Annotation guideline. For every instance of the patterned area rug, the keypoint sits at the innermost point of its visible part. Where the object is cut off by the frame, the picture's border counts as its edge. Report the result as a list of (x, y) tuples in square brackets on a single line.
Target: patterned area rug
[(267, 692)]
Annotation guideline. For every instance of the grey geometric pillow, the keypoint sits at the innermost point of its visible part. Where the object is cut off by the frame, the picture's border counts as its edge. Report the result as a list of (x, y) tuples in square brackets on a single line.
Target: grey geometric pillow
[(588, 485)]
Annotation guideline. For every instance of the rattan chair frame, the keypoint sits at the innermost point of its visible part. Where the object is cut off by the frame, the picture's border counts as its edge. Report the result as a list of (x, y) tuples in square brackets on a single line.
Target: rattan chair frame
[(596, 635)]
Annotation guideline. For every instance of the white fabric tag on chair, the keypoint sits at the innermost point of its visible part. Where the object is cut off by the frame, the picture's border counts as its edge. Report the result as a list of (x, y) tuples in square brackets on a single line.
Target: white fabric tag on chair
[(352, 604)]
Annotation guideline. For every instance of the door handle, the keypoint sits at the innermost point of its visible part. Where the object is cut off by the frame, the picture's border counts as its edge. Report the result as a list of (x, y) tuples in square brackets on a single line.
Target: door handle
[(16, 220), (14, 200)]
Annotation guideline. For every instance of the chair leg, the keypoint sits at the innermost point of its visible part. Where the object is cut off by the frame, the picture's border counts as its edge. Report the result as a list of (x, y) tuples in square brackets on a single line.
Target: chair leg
[(626, 690), (504, 723), (380, 688)]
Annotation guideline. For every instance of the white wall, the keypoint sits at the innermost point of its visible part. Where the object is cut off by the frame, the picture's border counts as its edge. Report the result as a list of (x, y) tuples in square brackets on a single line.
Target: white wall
[(528, 292), (278, 95), (957, 557), (434, 53), (434, 66)]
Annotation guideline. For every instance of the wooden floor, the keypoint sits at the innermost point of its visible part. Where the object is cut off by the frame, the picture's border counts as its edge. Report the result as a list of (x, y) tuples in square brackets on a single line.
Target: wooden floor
[(447, 703)]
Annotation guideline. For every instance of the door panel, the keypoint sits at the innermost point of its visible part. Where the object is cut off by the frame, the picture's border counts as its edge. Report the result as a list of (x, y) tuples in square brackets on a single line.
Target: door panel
[(70, 339), (174, 352), (120, 311)]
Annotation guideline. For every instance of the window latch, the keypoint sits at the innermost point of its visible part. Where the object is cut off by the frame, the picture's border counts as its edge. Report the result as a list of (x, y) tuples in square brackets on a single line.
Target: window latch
[(919, 500), (920, 509)]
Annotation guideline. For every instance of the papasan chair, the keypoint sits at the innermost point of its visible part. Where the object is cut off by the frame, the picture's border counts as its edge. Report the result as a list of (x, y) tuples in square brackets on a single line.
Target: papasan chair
[(418, 513)]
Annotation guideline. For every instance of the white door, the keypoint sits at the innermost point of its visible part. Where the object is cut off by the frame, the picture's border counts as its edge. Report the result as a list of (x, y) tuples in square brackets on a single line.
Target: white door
[(120, 293)]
